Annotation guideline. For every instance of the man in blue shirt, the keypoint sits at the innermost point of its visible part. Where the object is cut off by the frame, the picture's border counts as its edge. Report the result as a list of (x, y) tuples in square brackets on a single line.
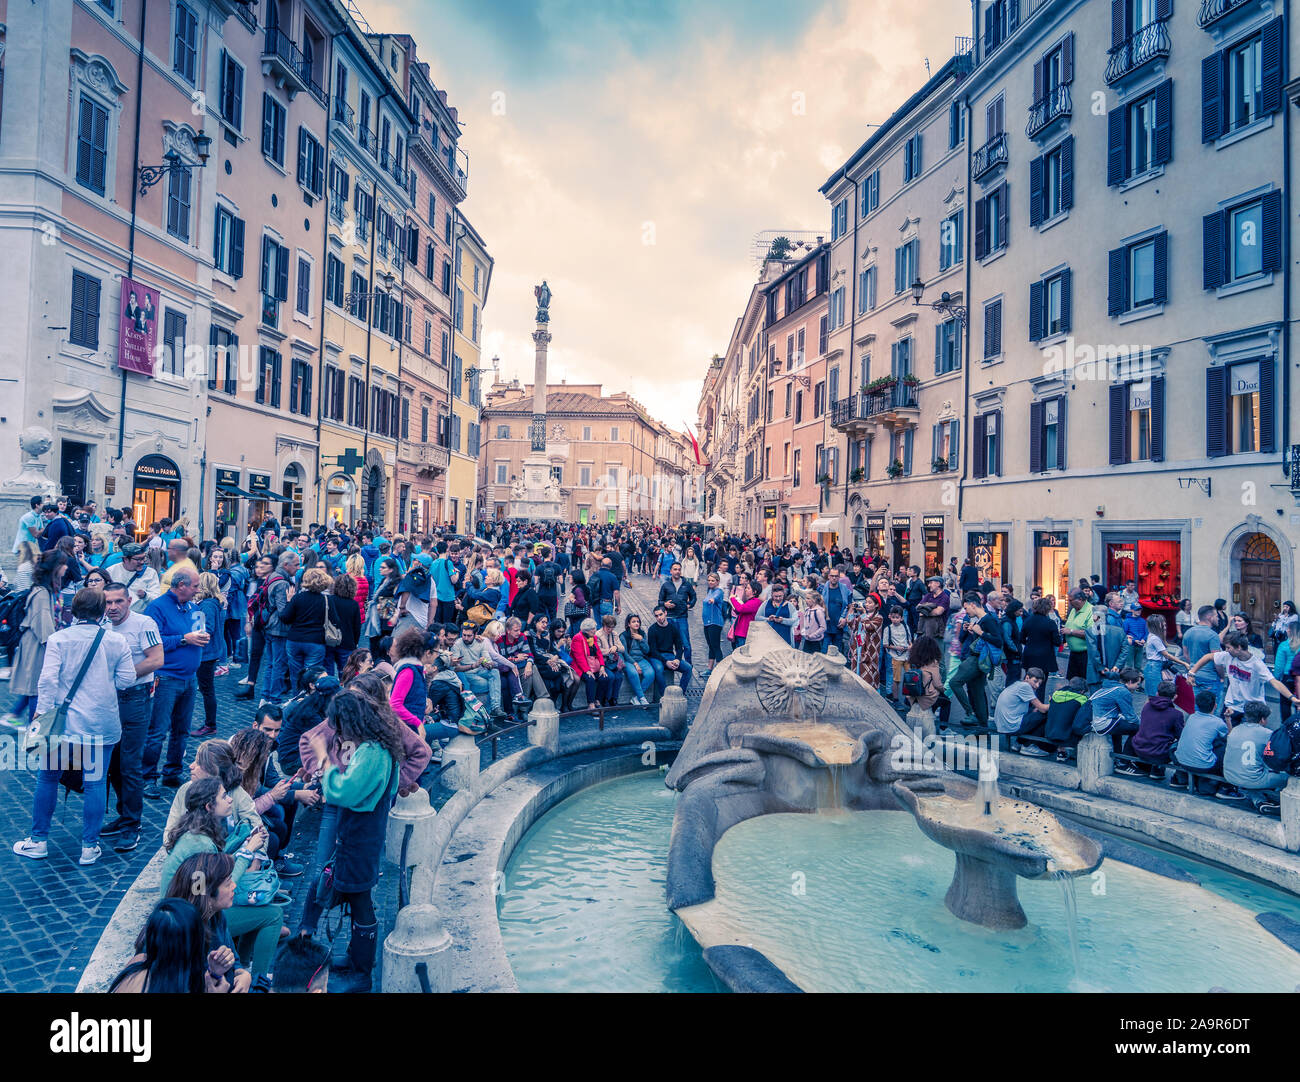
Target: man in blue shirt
[(1201, 639), (29, 526), (56, 527), (183, 639), (838, 595), (445, 577)]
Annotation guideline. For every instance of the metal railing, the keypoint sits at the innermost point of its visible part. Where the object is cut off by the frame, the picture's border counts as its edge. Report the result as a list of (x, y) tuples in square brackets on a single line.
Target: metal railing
[(1053, 106), (338, 207), (308, 73), (901, 396), (345, 115), (284, 48), (368, 140), (844, 411), (992, 154), (1213, 10), (1152, 42)]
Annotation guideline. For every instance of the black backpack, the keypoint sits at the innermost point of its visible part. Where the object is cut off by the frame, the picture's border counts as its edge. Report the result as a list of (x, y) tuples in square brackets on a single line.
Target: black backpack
[(13, 606), (548, 575), (1282, 745)]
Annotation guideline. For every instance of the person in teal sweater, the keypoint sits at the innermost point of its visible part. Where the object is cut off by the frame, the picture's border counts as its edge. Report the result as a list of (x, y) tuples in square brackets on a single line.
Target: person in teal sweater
[(1286, 653), (363, 791), (202, 829)]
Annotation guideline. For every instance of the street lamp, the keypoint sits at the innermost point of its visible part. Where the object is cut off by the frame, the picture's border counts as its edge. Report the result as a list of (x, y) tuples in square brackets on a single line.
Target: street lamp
[(386, 282), (943, 304), (174, 163)]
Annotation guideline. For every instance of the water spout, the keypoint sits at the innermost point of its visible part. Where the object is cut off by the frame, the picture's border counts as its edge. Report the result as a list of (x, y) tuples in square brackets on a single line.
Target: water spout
[(988, 784)]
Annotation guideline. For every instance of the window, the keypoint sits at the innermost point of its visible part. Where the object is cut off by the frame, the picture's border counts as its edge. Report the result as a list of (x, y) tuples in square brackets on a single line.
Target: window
[(988, 445), (819, 399), (867, 290), (950, 239), (997, 24), (334, 280), (228, 243), (1240, 408), (797, 471), (1137, 421), (311, 163), (771, 402), (823, 332), (446, 277), (1243, 241), (789, 397), (1054, 70), (1047, 435), (446, 229), (460, 309), (956, 125), (185, 48), (613, 434), (457, 368), (947, 347), (476, 269), (833, 386), (798, 407), (268, 377), (172, 345), (584, 476), (223, 374), (83, 327), (906, 265), (995, 118), (1138, 275), (1140, 135), (300, 389), (358, 306), (178, 204), (332, 393), (273, 120), (503, 432), (1049, 306), (992, 330), (428, 338), (473, 324), (900, 358), (424, 424), (991, 222), (501, 473), (900, 449), (304, 286), (839, 219), (92, 145), (835, 309), (912, 158), (232, 91), (871, 193), (275, 278), (1242, 84), (945, 447)]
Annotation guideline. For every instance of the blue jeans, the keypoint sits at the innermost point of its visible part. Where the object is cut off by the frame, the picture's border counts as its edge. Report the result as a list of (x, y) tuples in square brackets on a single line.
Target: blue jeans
[(486, 684), (637, 678), (336, 658), (24, 704), (663, 673), (274, 669), (1213, 683), (684, 627), (606, 609), (1151, 673), (303, 656), (133, 709), (173, 703), (95, 798)]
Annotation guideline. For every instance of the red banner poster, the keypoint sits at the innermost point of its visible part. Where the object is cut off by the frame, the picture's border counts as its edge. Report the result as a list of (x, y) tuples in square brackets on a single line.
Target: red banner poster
[(137, 334)]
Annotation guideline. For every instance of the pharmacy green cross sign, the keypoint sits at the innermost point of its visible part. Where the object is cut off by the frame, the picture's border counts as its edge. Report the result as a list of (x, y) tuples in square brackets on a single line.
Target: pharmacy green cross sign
[(349, 461)]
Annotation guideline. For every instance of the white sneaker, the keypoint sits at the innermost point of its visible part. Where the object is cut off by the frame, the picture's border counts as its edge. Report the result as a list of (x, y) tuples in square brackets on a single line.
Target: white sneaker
[(245, 682), (35, 850), (13, 722), (89, 854)]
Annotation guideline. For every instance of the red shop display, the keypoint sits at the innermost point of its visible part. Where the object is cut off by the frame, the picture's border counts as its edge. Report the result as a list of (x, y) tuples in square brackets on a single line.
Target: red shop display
[(1156, 567)]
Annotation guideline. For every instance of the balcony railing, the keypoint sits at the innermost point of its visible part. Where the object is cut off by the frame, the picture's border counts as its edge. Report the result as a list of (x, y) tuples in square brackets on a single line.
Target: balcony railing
[(363, 228), (1054, 106), (991, 155), (1150, 43), (344, 114), (247, 14), (1213, 10), (308, 73), (892, 405), (368, 140), (282, 59), (844, 412), (338, 207)]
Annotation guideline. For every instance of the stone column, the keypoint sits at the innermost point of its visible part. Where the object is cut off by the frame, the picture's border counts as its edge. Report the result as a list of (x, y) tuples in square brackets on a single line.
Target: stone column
[(541, 339)]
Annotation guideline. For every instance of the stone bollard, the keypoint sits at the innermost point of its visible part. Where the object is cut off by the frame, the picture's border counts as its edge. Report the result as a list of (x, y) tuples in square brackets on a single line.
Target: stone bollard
[(544, 726), (1095, 761), (416, 812), (461, 757), (1291, 815), (672, 710), (417, 937), (921, 719)]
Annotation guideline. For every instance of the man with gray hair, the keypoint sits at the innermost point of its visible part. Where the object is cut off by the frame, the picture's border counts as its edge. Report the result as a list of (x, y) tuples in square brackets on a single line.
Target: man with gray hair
[(278, 590), (183, 637)]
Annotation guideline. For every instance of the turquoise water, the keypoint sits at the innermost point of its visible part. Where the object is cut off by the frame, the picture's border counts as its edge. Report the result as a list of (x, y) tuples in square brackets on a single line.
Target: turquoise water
[(854, 902), (582, 908)]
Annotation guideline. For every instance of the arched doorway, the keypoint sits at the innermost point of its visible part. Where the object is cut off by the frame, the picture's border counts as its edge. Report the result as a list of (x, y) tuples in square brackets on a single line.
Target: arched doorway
[(291, 487), (156, 491), (339, 498), (1257, 584), (373, 494)]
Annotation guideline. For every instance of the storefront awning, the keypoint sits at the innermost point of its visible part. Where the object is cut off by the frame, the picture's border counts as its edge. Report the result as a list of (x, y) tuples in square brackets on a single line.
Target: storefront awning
[(234, 492), (825, 525)]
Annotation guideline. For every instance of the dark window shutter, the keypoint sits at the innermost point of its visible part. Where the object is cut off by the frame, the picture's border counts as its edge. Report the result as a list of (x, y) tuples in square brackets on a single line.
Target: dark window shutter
[(77, 320), (85, 129), (1214, 230), (995, 468), (1062, 427), (1067, 58), (282, 273), (1038, 81), (1118, 424), (981, 228), (268, 127), (979, 460), (1271, 220), (1003, 211), (267, 254), (1164, 122), (303, 177), (1158, 419), (1067, 173), (988, 332), (1211, 97), (1035, 311), (306, 390), (1117, 276), (318, 169), (997, 328), (1164, 8), (1037, 193), (236, 247), (1118, 10), (293, 387), (1116, 160), (1067, 284), (1161, 266), (1267, 405), (938, 346), (1271, 48), (1216, 412), (1035, 437), (275, 380)]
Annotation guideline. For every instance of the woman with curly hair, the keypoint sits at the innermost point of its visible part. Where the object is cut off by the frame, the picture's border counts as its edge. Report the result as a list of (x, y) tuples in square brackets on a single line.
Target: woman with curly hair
[(359, 663)]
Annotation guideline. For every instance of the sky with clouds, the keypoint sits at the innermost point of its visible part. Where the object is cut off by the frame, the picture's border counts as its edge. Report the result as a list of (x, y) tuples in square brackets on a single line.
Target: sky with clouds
[(629, 150)]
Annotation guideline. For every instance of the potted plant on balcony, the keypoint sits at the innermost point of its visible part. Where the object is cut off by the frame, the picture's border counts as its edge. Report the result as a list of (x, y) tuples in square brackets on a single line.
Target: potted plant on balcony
[(895, 469), (857, 474), (911, 380), (880, 385), (824, 479), (939, 465)]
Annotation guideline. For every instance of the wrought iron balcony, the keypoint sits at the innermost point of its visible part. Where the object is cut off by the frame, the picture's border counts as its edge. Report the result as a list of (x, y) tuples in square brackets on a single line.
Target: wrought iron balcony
[(990, 156), (1054, 106), (895, 407), (1150, 43), (1214, 10), (847, 414), (308, 72), (345, 115), (368, 140), (282, 60), (363, 228), (338, 207)]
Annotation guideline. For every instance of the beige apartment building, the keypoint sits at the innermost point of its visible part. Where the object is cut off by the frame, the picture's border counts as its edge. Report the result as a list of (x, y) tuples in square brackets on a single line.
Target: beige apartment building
[(619, 464)]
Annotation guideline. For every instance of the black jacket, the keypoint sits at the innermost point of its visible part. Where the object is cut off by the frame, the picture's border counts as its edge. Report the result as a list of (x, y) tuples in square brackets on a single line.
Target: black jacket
[(665, 643)]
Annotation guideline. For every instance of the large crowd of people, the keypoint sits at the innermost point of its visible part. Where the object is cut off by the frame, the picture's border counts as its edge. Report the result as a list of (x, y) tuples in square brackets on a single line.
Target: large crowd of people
[(360, 652)]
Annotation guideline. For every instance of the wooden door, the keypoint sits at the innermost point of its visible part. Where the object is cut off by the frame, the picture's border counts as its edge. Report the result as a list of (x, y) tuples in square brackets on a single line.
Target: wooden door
[(1261, 593)]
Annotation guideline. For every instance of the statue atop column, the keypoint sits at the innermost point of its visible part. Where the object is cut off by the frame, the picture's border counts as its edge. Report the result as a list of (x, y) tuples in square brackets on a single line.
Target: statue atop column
[(543, 295)]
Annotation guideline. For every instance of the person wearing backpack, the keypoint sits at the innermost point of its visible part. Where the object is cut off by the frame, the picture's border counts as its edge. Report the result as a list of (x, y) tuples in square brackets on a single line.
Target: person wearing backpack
[(981, 639), (273, 599), (550, 580), (811, 628)]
